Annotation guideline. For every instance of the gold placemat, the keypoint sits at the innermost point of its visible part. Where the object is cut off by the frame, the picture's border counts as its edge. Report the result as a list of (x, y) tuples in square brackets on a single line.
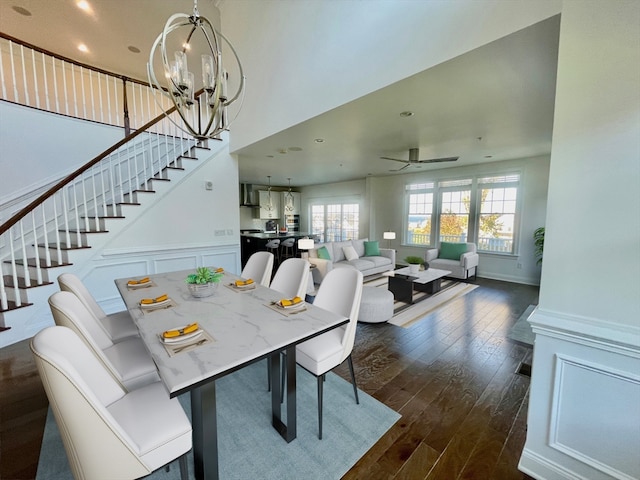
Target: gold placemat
[(176, 348)]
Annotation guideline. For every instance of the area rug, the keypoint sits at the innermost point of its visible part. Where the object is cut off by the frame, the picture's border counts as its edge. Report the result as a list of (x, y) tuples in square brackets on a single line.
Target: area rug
[(407, 315), (521, 330), (248, 445)]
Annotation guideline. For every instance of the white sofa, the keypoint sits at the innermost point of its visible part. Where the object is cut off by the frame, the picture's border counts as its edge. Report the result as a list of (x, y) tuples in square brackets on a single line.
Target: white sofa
[(463, 267), (368, 265)]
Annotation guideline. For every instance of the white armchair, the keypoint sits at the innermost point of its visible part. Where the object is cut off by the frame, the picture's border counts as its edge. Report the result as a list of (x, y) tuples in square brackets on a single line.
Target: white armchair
[(461, 261)]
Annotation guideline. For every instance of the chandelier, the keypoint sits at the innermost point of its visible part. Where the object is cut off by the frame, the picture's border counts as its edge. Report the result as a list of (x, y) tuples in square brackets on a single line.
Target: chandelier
[(269, 206), (203, 110), (289, 201)]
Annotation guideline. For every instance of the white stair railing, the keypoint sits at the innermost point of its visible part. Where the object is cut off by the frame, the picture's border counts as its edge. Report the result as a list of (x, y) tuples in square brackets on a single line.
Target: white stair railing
[(63, 217)]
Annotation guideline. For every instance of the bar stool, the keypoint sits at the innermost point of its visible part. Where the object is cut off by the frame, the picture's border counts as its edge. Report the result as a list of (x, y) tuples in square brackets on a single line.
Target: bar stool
[(273, 246), (287, 248)]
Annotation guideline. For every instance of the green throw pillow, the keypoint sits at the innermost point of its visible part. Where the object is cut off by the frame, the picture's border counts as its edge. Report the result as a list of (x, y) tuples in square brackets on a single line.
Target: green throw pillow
[(324, 253), (372, 249), (452, 251)]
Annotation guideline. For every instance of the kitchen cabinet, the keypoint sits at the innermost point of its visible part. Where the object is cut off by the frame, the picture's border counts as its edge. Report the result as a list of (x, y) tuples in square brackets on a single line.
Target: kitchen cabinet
[(295, 210), (265, 212)]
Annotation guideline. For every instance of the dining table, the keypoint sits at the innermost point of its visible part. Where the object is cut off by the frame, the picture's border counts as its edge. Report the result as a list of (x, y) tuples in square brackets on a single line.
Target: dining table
[(239, 326)]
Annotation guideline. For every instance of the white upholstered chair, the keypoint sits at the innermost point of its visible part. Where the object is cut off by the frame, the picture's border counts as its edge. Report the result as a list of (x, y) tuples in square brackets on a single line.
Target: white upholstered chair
[(107, 432), (291, 278), (117, 325), (259, 268), (461, 259), (340, 292), (128, 360)]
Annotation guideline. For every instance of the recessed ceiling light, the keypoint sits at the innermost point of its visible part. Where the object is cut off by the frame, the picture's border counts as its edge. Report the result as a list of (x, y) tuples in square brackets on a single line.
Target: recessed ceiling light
[(133, 49), (319, 140), (406, 114), (83, 48), (84, 6), (21, 11)]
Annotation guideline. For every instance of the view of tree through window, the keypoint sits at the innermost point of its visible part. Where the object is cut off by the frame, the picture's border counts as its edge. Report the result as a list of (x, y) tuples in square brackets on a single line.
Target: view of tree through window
[(487, 217), (335, 222)]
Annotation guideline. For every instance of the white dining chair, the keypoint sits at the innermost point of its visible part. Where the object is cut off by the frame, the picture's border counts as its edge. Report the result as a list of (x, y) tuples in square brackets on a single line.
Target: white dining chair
[(340, 292), (106, 431), (128, 360), (259, 267), (292, 277), (117, 325), (290, 280)]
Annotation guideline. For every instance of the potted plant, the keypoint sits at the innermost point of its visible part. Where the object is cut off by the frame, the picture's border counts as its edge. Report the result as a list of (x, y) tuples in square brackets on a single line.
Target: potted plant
[(204, 282), (538, 241), (414, 263)]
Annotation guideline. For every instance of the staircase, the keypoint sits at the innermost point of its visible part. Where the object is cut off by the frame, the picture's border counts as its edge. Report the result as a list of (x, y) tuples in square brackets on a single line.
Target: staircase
[(46, 237)]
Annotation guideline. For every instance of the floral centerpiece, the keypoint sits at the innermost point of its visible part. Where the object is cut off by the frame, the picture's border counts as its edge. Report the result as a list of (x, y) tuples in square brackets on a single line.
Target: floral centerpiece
[(204, 282)]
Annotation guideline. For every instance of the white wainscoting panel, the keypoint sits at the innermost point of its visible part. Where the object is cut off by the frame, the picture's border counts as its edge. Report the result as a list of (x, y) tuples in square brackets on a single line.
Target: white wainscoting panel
[(585, 412)]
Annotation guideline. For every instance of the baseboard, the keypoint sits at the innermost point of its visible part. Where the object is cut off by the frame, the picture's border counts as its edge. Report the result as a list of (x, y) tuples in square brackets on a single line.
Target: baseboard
[(511, 279), (538, 467)]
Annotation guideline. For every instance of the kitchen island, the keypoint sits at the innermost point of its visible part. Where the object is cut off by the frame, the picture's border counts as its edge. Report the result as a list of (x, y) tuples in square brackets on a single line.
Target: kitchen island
[(256, 242)]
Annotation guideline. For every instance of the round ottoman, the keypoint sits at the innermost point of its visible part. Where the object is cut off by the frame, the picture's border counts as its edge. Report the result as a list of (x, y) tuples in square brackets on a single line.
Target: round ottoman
[(376, 305)]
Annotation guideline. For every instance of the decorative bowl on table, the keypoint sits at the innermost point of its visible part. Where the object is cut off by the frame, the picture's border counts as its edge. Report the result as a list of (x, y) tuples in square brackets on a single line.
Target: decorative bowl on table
[(203, 283)]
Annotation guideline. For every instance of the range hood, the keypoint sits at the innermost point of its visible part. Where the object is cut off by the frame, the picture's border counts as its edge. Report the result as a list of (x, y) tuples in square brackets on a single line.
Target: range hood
[(247, 196)]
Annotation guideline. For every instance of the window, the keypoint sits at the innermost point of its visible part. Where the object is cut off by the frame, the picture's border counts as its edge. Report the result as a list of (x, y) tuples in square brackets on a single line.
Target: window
[(497, 219), (418, 229), (455, 206), (335, 222), (483, 210)]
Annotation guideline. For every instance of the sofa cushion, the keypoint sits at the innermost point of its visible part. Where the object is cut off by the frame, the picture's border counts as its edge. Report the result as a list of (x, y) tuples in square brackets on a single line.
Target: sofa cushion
[(338, 252), (358, 245), (363, 264), (452, 251), (323, 253), (372, 249), (350, 253), (378, 261)]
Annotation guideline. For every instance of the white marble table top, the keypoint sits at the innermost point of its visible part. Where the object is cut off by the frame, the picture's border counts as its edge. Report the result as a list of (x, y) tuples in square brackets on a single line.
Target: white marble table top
[(423, 276), (243, 326)]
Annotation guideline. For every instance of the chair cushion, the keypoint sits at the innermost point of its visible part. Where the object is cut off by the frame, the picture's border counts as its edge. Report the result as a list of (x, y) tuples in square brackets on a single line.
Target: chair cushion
[(153, 422), (321, 353), (452, 251), (371, 248)]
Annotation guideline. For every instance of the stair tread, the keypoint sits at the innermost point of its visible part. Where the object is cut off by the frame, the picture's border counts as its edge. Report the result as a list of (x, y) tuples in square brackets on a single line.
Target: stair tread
[(31, 262), (8, 282), (12, 306), (64, 246), (82, 230)]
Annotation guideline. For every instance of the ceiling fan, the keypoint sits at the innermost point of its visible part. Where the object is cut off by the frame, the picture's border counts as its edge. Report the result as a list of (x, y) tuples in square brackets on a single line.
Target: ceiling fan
[(414, 160)]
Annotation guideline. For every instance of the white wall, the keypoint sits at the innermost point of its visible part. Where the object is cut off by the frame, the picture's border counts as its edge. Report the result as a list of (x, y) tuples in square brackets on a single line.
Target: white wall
[(300, 67), (37, 147), (584, 410)]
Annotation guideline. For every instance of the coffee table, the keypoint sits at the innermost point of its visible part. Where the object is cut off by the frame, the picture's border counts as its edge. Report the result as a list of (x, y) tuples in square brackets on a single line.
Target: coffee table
[(402, 283)]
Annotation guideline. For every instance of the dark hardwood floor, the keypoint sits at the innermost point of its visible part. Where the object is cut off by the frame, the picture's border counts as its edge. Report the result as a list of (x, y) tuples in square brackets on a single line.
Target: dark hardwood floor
[(452, 377)]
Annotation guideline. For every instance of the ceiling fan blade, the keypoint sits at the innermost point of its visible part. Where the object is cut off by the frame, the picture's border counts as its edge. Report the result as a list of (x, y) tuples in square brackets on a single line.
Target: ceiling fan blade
[(437, 160), (395, 159), (401, 168)]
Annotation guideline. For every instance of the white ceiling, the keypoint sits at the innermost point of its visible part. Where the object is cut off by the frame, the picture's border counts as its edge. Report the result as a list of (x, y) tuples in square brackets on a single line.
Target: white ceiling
[(493, 103)]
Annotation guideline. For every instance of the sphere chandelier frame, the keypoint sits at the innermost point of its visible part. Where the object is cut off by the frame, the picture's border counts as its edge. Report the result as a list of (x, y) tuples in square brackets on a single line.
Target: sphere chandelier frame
[(180, 82)]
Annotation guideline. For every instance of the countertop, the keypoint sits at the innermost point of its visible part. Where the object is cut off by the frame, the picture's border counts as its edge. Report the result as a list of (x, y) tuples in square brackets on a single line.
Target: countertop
[(269, 236)]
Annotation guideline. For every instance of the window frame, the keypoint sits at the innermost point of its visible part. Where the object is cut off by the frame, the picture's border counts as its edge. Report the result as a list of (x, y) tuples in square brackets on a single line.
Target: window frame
[(344, 234), (474, 184)]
